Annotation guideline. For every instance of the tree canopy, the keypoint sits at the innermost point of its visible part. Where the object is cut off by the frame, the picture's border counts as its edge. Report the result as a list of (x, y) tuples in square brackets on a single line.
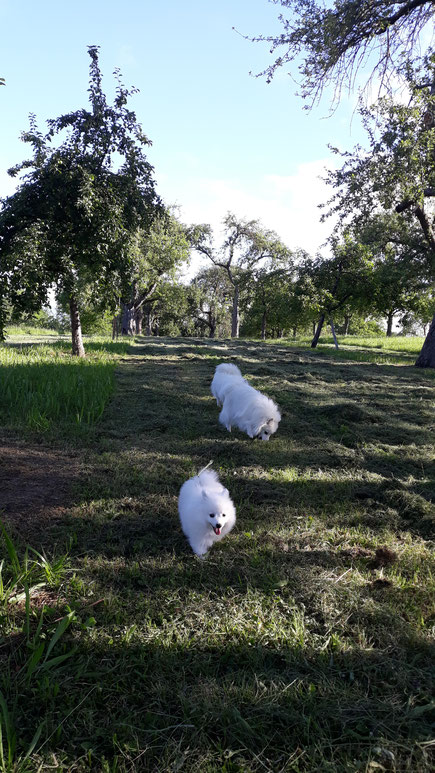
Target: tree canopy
[(246, 245), (327, 44), (85, 192)]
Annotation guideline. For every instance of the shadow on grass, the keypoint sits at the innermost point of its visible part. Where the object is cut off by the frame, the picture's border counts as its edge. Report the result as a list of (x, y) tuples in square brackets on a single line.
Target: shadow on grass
[(238, 705), (280, 648)]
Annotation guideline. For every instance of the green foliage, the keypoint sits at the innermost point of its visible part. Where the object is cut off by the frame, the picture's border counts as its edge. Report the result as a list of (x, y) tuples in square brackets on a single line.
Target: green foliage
[(79, 203), (156, 256), (209, 299), (395, 176), (169, 312), (247, 247)]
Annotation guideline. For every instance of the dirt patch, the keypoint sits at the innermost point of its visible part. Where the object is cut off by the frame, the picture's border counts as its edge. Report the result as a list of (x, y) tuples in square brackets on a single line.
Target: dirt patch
[(35, 482)]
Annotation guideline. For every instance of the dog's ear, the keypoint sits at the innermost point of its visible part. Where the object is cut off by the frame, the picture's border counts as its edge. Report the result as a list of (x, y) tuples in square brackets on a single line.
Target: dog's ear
[(204, 495), (270, 421), (225, 491)]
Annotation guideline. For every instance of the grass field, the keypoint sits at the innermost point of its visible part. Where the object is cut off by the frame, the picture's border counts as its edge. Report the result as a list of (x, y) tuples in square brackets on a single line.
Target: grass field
[(304, 642), (43, 387)]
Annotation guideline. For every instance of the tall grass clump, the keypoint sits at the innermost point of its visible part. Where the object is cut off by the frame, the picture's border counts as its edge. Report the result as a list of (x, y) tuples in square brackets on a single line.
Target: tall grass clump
[(42, 385), (32, 667)]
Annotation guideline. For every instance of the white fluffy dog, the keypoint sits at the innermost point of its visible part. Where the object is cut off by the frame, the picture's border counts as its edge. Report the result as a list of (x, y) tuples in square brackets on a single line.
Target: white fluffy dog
[(243, 406), (207, 513)]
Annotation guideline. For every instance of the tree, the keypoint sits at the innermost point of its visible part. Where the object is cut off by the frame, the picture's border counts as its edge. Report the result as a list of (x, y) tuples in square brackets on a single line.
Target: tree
[(340, 280), (79, 206), (268, 288), (167, 313), (329, 45), (210, 297), (155, 255), (396, 176), (399, 277), (246, 244)]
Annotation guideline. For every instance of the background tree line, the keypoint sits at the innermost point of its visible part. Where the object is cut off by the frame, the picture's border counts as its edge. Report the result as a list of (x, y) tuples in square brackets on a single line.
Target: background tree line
[(86, 219)]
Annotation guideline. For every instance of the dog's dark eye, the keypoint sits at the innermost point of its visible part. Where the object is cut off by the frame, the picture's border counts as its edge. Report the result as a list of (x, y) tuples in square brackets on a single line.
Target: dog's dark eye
[(223, 515), (211, 515)]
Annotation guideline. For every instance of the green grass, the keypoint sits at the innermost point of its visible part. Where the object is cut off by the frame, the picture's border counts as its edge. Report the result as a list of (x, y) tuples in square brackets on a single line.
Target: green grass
[(29, 330), (44, 387), (399, 350), (304, 642)]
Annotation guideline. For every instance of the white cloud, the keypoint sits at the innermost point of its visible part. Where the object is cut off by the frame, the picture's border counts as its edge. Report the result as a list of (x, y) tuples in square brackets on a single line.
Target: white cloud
[(286, 204)]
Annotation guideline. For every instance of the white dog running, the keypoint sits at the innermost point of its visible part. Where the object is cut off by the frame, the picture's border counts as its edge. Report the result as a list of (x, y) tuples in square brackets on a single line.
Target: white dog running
[(207, 513), (243, 406)]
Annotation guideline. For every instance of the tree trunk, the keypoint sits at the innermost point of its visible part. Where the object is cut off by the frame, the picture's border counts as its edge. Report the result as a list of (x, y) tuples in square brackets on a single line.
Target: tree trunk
[(76, 328), (390, 319), (426, 358), (263, 325), (138, 320), (128, 326), (115, 328), (318, 331), (346, 324), (314, 328), (235, 317), (331, 322), (148, 330), (294, 331)]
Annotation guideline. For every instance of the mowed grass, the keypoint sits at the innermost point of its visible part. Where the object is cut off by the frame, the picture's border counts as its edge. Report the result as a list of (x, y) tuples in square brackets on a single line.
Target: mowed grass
[(304, 642), (43, 386), (394, 350)]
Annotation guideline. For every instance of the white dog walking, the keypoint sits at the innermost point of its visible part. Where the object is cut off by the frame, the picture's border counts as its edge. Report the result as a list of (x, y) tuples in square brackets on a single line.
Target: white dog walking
[(243, 406), (207, 513)]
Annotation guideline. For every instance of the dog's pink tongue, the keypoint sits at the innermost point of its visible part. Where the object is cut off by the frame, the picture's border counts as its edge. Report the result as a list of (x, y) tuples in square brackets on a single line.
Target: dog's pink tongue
[(217, 530)]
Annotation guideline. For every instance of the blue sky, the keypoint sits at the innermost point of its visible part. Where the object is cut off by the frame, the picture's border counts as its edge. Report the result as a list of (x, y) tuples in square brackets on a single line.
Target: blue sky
[(222, 140)]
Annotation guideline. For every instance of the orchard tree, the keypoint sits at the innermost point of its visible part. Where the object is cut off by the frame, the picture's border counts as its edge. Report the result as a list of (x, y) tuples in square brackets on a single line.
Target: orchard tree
[(85, 194), (400, 267), (246, 245), (267, 292), (396, 175), (210, 298), (155, 255), (341, 281), (325, 45), (167, 313)]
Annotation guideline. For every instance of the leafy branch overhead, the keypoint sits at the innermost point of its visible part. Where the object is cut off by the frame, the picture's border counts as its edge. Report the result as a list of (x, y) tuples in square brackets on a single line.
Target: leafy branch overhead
[(328, 46)]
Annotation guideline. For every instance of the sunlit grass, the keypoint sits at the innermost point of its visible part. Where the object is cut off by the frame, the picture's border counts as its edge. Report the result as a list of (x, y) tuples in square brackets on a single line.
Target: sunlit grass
[(294, 646), (410, 344), (394, 350), (29, 330), (43, 385)]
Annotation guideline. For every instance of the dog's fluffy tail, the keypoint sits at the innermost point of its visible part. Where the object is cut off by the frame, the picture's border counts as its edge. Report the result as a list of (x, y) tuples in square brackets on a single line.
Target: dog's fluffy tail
[(228, 367), (207, 477)]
